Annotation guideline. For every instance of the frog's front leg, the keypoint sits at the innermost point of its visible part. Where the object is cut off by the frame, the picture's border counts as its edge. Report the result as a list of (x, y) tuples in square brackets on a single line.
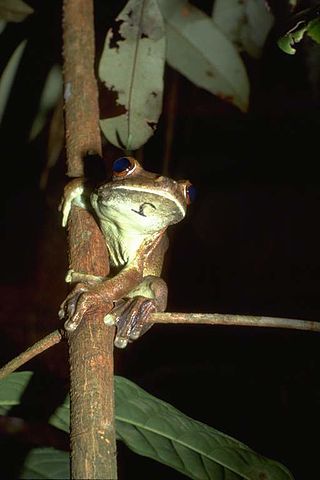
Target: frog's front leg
[(130, 314), (87, 297), (82, 300)]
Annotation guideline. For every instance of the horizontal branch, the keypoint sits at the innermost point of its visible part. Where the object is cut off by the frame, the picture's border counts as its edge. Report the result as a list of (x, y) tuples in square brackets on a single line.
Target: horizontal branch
[(176, 318), (234, 320)]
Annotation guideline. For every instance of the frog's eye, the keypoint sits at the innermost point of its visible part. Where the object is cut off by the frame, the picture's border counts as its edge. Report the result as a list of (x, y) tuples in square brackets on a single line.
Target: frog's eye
[(190, 193), (123, 166)]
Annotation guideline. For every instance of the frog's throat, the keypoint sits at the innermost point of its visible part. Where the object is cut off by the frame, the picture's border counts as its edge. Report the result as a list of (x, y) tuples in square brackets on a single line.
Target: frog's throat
[(122, 244)]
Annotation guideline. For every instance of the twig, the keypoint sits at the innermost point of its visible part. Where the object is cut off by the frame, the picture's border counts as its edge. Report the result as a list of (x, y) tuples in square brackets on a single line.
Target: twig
[(235, 320), (176, 318), (31, 352)]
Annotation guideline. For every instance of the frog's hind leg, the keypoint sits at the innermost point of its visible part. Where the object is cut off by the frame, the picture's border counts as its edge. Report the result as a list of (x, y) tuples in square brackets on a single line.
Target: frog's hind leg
[(131, 314), (131, 319)]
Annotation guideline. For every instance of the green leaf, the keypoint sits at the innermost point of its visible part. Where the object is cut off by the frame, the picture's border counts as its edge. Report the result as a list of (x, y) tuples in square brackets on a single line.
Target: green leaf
[(155, 429), (132, 65), (14, 10), (8, 76), (314, 30), (306, 21), (246, 24), (203, 54), (61, 417), (292, 37), (51, 93), (46, 463), (11, 390)]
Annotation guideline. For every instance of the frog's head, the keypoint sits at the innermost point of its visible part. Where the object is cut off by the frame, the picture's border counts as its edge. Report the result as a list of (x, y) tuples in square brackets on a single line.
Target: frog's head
[(141, 201)]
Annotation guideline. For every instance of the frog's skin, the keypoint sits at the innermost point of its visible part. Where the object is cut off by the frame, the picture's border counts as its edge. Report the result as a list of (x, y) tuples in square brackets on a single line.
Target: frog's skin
[(133, 211)]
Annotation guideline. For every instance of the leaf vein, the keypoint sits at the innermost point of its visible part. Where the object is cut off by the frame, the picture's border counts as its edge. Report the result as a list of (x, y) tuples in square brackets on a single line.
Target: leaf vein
[(192, 448)]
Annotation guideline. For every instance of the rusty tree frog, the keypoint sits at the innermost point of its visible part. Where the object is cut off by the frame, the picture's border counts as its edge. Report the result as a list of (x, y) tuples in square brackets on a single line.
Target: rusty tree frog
[(133, 210)]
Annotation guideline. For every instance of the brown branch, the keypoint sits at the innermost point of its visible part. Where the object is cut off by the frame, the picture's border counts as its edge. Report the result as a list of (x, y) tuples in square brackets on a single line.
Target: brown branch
[(222, 319), (234, 320), (93, 447), (30, 353), (80, 91)]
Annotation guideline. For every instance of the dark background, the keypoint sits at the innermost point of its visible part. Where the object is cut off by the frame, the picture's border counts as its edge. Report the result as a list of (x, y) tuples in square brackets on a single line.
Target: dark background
[(249, 245)]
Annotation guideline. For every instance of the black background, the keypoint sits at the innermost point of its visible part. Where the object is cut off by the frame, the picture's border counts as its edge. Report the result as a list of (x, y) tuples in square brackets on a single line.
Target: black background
[(250, 245)]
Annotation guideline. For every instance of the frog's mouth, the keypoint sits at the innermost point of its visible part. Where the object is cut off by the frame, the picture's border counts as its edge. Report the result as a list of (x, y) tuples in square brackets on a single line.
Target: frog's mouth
[(144, 208)]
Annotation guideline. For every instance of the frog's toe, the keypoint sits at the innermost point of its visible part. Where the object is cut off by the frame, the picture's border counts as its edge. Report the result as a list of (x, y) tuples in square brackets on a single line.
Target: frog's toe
[(74, 306), (120, 342), (131, 319), (68, 307), (140, 325)]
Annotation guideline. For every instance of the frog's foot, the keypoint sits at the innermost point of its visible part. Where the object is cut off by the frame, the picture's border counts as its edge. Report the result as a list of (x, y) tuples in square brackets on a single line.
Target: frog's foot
[(83, 300), (130, 316)]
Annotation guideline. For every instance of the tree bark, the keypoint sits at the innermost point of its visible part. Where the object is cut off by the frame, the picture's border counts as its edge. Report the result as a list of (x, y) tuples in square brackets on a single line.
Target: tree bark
[(93, 446)]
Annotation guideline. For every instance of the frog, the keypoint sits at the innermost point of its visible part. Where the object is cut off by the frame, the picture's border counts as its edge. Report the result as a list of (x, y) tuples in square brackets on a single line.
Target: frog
[(133, 210)]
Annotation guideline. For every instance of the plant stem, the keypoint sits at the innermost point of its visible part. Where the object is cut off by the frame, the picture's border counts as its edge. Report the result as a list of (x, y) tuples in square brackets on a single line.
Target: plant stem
[(234, 320), (176, 318), (93, 446), (31, 352)]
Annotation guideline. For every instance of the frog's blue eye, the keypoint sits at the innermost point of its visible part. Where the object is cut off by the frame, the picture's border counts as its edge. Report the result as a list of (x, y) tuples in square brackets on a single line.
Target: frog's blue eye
[(122, 166), (191, 193)]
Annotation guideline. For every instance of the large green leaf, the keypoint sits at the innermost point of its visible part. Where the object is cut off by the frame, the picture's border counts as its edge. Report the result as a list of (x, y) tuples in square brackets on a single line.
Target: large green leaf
[(11, 390), (132, 65), (203, 54), (246, 24), (46, 463), (155, 429)]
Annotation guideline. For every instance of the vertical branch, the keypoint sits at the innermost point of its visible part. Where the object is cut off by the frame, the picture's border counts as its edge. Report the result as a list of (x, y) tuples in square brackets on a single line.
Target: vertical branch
[(80, 89), (91, 345)]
